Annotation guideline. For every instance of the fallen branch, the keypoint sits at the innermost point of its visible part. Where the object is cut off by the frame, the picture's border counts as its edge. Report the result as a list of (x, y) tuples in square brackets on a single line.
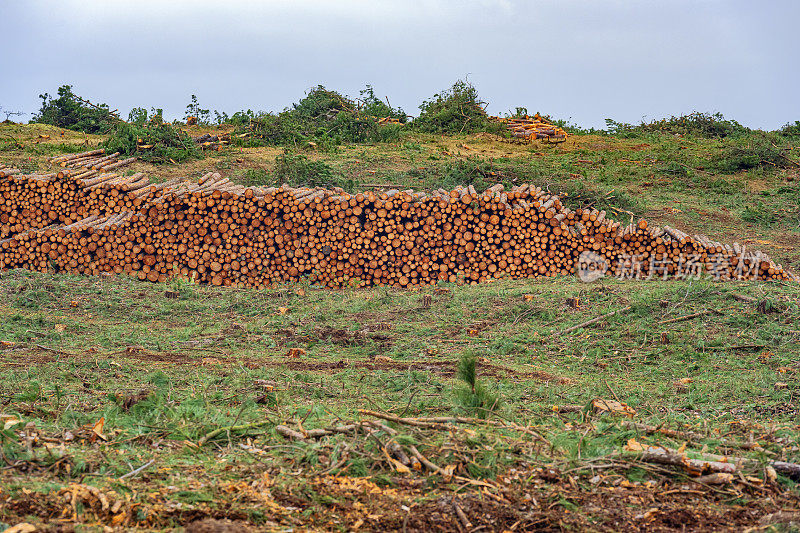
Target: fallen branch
[(290, 433), (440, 422), (417, 422), (667, 456), (717, 478), (461, 516), (314, 433), (593, 321), (786, 157), (429, 465), (383, 427), (692, 436), (738, 347), (53, 350), (689, 317), (396, 451), (212, 434), (138, 470), (790, 470), (709, 463)]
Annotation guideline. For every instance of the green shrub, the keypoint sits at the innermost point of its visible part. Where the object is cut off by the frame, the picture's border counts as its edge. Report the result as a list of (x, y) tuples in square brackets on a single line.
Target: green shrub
[(712, 126), (672, 168), (328, 119), (138, 116), (389, 133), (168, 142), (753, 151), (791, 130), (239, 119), (791, 202), (456, 110), (257, 177), (719, 185), (372, 106), (321, 102), (448, 174), (575, 194), (473, 171), (69, 111), (272, 129)]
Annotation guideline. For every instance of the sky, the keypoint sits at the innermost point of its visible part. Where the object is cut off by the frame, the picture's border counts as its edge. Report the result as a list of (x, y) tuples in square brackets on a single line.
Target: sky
[(582, 60)]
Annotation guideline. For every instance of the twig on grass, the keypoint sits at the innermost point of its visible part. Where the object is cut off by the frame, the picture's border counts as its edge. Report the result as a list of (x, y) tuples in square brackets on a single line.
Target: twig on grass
[(316, 433), (593, 321), (738, 347), (210, 435), (689, 317), (138, 470), (53, 350), (614, 394), (439, 422)]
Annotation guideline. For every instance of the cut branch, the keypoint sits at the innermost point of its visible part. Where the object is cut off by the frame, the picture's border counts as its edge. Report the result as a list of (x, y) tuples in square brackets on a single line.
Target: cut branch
[(593, 321)]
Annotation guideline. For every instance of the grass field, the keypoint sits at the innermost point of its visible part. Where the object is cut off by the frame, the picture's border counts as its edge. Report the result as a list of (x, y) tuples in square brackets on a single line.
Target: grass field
[(151, 407)]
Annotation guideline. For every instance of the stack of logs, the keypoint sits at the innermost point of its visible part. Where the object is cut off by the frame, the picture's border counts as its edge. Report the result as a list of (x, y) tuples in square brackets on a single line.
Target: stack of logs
[(8, 170), (84, 218), (212, 142), (531, 128)]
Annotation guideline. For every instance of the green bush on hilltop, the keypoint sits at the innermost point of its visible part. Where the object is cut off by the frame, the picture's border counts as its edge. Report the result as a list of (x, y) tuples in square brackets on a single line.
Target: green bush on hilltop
[(791, 129), (71, 112), (455, 110), (327, 118), (165, 142), (372, 106), (707, 125)]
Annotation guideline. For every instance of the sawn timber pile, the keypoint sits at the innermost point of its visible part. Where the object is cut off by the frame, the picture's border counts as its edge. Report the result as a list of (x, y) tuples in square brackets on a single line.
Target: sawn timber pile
[(83, 218), (533, 128)]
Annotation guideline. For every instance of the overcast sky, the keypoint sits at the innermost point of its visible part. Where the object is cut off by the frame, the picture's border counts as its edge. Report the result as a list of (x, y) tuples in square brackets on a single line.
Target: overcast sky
[(581, 59)]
